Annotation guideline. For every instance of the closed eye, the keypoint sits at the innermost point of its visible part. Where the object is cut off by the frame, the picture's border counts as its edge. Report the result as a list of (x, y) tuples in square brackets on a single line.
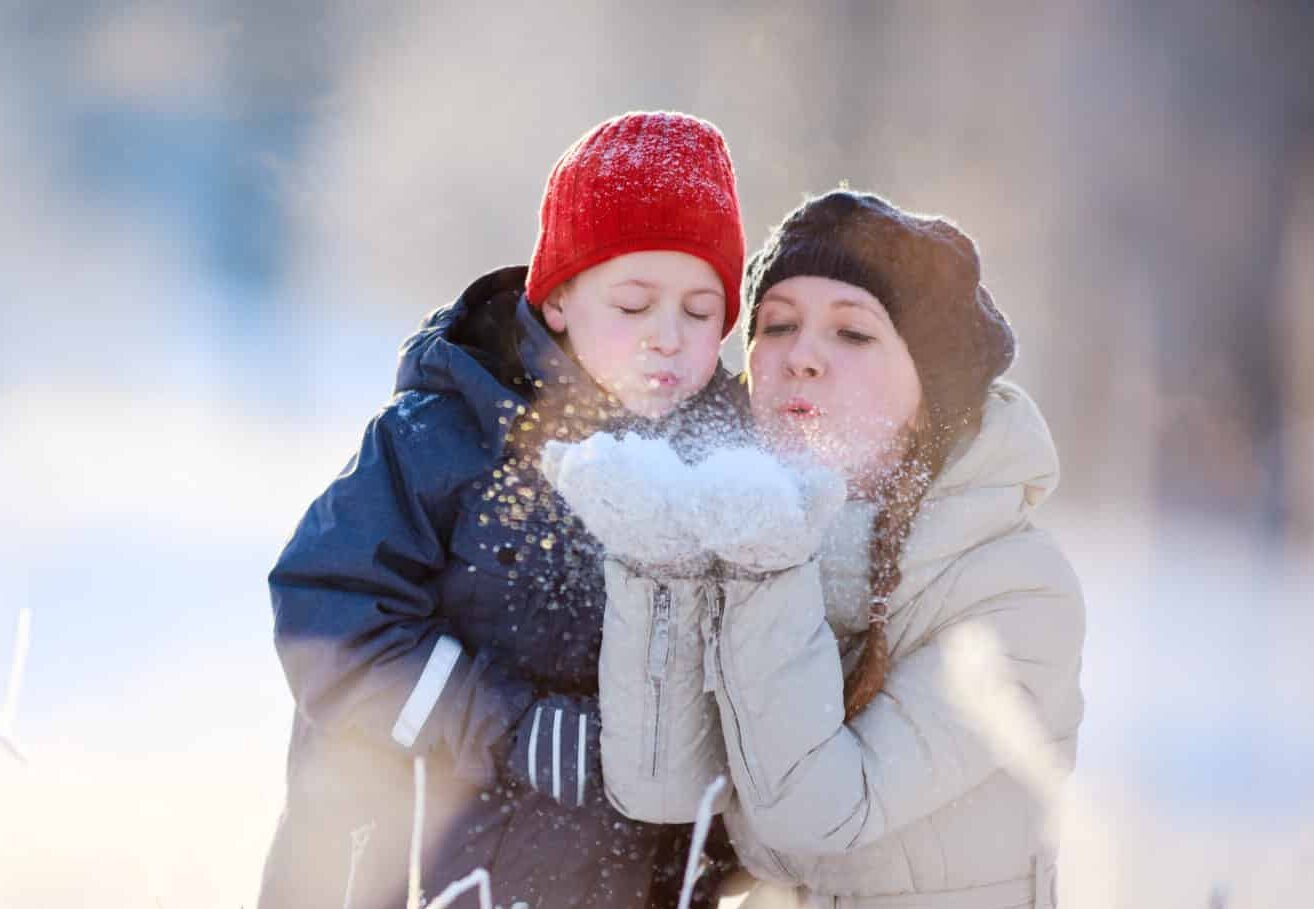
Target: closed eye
[(855, 337), (780, 328)]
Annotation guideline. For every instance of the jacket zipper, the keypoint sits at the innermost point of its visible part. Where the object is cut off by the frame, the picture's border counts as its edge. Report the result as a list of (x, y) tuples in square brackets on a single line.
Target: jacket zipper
[(777, 861), (718, 614), (659, 646)]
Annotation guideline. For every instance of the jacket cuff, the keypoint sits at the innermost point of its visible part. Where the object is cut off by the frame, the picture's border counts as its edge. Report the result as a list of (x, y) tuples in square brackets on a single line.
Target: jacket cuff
[(416, 727), (465, 705)]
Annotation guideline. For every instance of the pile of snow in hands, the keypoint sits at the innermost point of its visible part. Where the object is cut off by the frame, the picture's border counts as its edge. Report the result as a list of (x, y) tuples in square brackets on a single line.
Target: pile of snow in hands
[(740, 504)]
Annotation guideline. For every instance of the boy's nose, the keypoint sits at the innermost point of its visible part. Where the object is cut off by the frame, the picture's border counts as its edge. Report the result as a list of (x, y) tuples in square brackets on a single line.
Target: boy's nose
[(665, 337)]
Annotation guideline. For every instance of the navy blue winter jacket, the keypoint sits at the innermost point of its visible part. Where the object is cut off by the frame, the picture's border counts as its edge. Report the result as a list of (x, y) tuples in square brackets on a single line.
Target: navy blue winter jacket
[(438, 599)]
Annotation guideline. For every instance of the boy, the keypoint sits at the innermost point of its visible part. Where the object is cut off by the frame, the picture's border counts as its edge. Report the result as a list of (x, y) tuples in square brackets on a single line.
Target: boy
[(438, 599)]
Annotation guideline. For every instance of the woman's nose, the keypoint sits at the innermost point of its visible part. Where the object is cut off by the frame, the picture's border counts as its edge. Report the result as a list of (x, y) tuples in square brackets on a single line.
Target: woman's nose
[(804, 360)]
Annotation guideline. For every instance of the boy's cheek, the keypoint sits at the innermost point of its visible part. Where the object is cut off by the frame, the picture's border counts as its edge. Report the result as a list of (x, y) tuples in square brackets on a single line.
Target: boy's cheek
[(710, 356)]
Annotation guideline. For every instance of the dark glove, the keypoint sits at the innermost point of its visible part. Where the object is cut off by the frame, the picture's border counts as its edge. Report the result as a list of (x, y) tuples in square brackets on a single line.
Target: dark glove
[(555, 750)]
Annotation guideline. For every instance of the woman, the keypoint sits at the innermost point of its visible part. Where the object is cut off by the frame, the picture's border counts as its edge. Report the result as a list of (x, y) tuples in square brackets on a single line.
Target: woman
[(810, 657)]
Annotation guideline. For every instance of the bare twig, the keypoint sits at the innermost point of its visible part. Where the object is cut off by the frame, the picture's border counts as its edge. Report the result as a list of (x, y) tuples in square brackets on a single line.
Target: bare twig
[(360, 838), (413, 890), (477, 878), (9, 711), (701, 826)]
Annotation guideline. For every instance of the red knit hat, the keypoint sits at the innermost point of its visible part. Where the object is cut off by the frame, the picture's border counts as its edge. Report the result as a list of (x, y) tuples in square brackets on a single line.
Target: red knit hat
[(636, 182)]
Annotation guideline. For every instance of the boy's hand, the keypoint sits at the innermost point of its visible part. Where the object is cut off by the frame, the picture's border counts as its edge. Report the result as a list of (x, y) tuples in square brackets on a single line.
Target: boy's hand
[(555, 750), (628, 494)]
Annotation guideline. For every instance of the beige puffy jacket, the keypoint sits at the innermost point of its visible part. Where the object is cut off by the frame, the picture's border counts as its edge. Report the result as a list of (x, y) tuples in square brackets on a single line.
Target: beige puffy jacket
[(906, 806)]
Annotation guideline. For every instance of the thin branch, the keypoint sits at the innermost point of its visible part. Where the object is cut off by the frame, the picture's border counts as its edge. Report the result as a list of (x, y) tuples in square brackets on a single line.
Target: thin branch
[(9, 712), (477, 878), (413, 891), (701, 826)]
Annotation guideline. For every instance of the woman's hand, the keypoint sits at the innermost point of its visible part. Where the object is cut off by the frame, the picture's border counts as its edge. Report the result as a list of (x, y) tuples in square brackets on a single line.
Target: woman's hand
[(760, 515)]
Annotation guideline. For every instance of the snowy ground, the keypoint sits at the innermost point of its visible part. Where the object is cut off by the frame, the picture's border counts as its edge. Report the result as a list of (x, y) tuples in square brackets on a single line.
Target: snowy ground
[(139, 524), (1199, 731)]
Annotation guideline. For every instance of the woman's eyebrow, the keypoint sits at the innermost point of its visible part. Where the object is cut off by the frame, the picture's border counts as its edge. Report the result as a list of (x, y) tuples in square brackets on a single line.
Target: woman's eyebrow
[(846, 302), (779, 298), (872, 308)]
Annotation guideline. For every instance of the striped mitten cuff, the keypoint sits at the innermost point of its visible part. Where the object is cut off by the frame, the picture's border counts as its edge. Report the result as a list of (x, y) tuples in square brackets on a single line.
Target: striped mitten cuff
[(556, 749)]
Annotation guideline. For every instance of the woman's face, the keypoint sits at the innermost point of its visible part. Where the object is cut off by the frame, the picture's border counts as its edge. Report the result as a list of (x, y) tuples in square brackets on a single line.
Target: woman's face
[(829, 375)]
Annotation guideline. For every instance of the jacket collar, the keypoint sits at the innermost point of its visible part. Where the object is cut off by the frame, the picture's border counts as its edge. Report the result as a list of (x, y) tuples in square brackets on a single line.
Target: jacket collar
[(542, 356)]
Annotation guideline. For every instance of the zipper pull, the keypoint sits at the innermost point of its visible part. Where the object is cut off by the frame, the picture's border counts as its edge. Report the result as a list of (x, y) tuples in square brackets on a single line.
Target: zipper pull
[(659, 642), (715, 605)]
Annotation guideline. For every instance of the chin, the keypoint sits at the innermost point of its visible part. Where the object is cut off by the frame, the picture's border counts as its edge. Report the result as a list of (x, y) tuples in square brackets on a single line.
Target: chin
[(835, 460), (815, 448), (786, 442), (650, 409)]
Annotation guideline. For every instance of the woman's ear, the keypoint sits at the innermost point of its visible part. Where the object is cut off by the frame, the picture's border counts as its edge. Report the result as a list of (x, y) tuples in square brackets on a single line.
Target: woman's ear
[(554, 309)]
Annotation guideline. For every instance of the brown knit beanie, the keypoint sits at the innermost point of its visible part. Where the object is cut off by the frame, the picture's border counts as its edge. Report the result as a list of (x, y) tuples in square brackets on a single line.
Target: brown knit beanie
[(926, 274)]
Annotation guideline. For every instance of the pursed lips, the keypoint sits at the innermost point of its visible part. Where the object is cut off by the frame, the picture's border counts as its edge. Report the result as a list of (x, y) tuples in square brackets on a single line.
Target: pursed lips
[(663, 379), (800, 408)]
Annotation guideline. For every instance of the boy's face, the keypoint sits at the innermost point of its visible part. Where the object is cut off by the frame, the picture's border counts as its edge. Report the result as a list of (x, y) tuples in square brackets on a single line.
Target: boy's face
[(646, 326)]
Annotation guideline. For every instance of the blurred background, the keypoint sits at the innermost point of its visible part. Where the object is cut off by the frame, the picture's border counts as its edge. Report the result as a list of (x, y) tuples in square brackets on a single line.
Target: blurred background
[(219, 219)]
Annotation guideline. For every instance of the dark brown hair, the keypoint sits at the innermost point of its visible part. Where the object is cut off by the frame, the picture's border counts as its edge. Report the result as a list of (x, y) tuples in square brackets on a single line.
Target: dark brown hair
[(900, 494)]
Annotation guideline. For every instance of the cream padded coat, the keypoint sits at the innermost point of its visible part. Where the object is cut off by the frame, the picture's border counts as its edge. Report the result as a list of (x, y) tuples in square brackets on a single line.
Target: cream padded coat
[(905, 807)]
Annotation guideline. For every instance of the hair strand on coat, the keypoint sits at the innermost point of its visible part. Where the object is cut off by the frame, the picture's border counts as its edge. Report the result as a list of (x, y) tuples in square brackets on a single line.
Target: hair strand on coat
[(901, 492)]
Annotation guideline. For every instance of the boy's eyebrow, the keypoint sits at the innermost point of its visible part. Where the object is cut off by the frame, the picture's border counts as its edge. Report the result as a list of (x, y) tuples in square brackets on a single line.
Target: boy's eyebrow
[(652, 285)]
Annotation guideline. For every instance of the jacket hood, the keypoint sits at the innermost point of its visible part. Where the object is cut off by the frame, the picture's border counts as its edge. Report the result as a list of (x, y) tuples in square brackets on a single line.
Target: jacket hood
[(990, 484), (1013, 448), (489, 348), (457, 347)]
